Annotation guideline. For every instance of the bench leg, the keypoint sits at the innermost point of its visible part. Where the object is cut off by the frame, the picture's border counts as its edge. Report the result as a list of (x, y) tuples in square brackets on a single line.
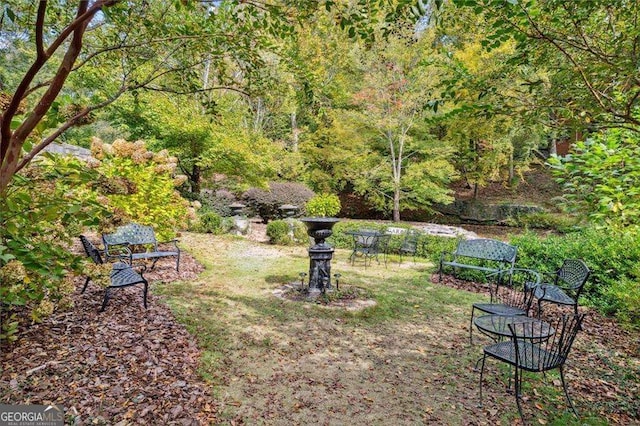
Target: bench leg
[(178, 263), (145, 291), (86, 283), (105, 300)]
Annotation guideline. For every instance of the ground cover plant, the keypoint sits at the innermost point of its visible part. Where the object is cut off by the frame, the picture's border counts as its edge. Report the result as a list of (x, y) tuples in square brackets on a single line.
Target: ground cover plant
[(405, 360)]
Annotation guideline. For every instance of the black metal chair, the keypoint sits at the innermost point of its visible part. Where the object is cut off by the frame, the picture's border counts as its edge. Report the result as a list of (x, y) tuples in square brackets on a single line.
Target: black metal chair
[(535, 354), (511, 295), (409, 246), (122, 275), (565, 286), (366, 243)]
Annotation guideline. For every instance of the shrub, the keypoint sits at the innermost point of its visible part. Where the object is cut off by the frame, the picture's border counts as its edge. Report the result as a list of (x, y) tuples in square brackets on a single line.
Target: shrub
[(611, 254), (266, 203), (287, 232), (544, 220), (323, 205), (139, 186), (44, 209), (210, 222), (601, 177)]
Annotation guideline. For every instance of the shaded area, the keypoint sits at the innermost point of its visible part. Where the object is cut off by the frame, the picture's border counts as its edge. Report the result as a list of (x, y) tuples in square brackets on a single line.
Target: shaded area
[(126, 365)]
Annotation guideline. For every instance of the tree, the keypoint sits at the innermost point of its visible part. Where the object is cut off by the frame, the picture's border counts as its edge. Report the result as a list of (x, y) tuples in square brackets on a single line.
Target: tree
[(156, 46), (398, 85), (590, 46)]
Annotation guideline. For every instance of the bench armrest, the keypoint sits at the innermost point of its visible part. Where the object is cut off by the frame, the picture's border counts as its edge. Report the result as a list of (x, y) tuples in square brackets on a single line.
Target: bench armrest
[(446, 256), (175, 242)]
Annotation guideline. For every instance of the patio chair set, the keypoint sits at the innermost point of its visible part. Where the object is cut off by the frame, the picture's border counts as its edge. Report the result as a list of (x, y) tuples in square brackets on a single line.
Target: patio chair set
[(521, 340), (129, 243), (371, 244)]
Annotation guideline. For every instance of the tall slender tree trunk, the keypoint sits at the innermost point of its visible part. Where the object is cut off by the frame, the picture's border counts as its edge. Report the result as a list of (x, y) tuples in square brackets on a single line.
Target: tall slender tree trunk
[(396, 204)]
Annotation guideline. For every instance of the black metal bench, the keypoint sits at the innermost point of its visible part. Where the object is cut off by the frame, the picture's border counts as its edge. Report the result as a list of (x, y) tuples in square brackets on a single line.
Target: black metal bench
[(124, 243), (121, 275), (493, 256)]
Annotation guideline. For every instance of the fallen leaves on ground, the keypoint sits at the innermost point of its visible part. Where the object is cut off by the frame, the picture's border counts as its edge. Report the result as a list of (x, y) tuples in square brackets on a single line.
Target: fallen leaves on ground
[(126, 365)]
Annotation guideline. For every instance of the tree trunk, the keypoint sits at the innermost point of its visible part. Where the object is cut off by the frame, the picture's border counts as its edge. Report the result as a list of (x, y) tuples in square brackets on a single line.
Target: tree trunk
[(396, 205), (195, 179)]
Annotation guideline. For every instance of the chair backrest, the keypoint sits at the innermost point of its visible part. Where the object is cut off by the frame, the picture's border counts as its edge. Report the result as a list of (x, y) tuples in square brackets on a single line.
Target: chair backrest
[(410, 241), (91, 250), (548, 353), (515, 289), (573, 273), (366, 241)]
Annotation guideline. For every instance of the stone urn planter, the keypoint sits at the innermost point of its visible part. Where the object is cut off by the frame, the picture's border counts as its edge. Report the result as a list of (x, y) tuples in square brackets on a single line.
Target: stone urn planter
[(320, 254)]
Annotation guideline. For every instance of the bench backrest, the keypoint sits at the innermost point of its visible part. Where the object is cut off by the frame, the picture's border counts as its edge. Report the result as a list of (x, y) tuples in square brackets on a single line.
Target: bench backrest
[(133, 234), (91, 250), (487, 249)]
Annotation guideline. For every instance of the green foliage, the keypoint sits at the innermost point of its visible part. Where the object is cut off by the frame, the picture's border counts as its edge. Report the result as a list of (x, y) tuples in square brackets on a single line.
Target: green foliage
[(585, 88), (209, 222), (601, 177), (139, 186), (267, 203), (544, 220), (42, 212), (611, 254), (287, 232), (323, 205)]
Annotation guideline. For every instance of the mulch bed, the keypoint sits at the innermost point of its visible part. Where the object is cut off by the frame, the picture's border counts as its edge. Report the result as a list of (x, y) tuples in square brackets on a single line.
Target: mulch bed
[(126, 365)]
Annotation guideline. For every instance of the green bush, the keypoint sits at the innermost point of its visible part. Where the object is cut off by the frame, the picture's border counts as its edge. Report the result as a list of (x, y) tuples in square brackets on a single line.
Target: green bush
[(210, 222), (287, 232), (611, 254), (544, 220), (140, 186), (43, 211), (601, 177), (323, 205)]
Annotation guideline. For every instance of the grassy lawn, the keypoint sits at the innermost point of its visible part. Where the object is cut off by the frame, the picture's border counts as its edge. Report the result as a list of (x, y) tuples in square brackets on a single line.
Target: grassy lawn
[(407, 360)]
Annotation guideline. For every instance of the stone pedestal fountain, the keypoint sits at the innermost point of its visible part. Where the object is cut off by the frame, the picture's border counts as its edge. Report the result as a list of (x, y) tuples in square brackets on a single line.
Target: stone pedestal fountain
[(320, 254)]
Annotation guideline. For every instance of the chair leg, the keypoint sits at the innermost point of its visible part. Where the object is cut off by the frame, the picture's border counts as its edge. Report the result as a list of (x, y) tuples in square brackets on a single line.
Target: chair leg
[(105, 300), (518, 387), (566, 392), (484, 358), (86, 283), (146, 290), (473, 309), (539, 308)]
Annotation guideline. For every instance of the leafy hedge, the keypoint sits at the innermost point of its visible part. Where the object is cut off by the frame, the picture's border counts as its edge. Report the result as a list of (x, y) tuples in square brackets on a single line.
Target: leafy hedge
[(612, 255)]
